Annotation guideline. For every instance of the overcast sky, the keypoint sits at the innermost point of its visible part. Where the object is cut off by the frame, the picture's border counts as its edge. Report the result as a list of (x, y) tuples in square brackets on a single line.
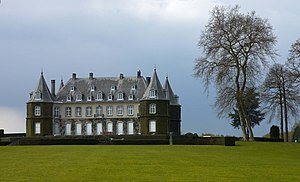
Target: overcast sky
[(112, 37)]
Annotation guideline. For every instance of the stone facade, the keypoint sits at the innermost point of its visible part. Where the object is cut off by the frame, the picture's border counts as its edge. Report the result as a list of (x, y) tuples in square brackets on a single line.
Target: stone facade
[(104, 106)]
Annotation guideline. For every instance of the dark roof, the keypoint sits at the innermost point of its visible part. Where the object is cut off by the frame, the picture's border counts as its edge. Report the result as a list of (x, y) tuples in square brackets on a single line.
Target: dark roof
[(169, 93), (156, 86), (41, 92), (106, 85)]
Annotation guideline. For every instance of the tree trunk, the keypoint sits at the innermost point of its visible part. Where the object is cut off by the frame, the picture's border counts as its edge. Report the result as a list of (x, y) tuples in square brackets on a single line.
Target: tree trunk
[(281, 113), (285, 113)]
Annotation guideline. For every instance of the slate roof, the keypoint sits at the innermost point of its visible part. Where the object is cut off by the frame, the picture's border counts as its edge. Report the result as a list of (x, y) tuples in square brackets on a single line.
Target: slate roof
[(169, 93), (41, 92), (126, 85), (156, 86)]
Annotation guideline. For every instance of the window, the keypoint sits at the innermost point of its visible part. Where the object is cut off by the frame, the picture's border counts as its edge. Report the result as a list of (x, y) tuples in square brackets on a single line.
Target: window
[(89, 98), (89, 128), (37, 110), (109, 127), (78, 128), (120, 128), (130, 128), (68, 111), (78, 111), (120, 96), (98, 111), (56, 112), (93, 88), (37, 128), (110, 97), (56, 129), (72, 88), (109, 110), (120, 110), (99, 96), (68, 129), (113, 87), (152, 93), (99, 128), (69, 98), (79, 97), (130, 110), (130, 97), (152, 126), (89, 111), (133, 87), (38, 95), (152, 108)]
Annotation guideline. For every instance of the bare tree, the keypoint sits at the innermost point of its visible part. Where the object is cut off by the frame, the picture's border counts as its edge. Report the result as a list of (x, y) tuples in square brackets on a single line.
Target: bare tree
[(235, 47), (281, 96)]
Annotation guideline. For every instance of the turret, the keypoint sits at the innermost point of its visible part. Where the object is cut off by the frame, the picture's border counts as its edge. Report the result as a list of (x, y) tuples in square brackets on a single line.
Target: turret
[(39, 110)]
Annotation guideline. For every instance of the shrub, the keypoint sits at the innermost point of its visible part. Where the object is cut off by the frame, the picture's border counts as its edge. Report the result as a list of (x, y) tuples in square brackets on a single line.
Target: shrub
[(274, 131)]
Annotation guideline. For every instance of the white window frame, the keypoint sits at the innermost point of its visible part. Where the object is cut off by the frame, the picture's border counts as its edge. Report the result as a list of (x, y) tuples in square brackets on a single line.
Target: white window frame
[(78, 129), (72, 88), (109, 110), (110, 97), (152, 126), (99, 129), (152, 108), (68, 129), (78, 97), (130, 128), (110, 126), (152, 93), (93, 88), (56, 129), (38, 95), (37, 128), (120, 128), (130, 97), (37, 110), (89, 98), (69, 98), (89, 129), (89, 111), (130, 110), (99, 111), (68, 111), (120, 110), (56, 111), (120, 96), (78, 111), (99, 96)]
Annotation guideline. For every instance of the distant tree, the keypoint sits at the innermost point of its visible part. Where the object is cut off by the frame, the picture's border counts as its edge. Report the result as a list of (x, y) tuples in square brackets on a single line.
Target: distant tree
[(280, 96), (235, 47), (252, 105)]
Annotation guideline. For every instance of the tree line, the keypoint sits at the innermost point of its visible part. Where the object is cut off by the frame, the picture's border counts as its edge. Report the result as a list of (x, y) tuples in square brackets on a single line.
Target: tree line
[(236, 47)]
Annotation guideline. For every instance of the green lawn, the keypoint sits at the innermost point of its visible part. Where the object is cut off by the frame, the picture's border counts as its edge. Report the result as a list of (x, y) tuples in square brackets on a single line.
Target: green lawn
[(244, 162)]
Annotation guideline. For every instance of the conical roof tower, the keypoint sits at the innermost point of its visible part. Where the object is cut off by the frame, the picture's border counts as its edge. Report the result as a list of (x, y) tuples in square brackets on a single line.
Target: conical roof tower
[(41, 92)]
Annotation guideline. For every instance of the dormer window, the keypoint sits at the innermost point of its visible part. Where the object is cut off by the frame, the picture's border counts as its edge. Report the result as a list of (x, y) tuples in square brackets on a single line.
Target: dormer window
[(113, 87), (110, 97), (93, 88), (89, 98), (120, 96), (153, 93), (38, 95), (133, 87), (79, 97), (72, 88), (99, 96), (131, 96), (69, 98)]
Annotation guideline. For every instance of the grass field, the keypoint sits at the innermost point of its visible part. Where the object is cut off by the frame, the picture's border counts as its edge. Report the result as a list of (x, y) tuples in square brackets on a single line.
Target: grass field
[(244, 162)]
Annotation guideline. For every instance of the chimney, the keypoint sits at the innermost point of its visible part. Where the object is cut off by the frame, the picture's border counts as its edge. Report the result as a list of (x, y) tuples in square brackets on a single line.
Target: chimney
[(148, 80), (91, 76), (121, 76), (53, 87), (139, 74), (74, 76)]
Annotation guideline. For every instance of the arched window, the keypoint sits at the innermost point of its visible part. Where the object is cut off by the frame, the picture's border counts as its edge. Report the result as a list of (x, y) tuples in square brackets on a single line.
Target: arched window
[(152, 126)]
